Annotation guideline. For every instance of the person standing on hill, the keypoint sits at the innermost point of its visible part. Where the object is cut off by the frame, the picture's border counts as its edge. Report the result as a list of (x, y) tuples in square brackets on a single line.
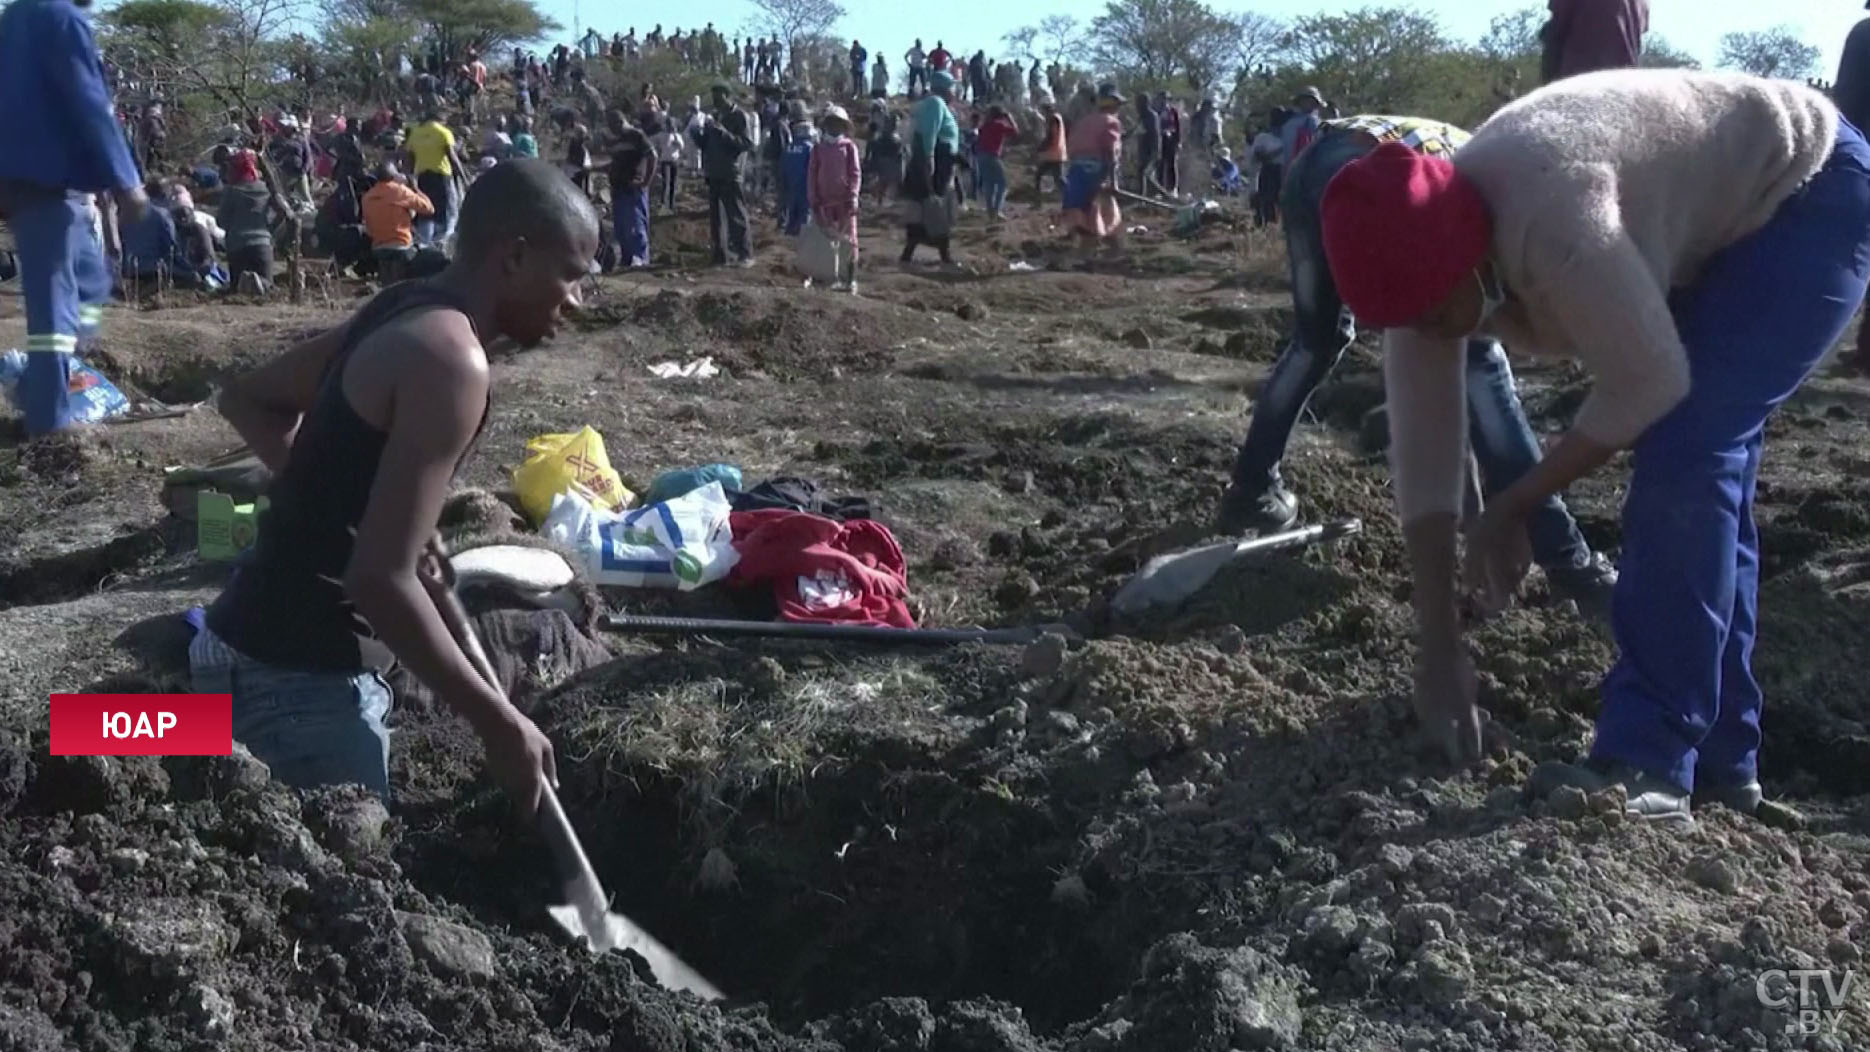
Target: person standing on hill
[(434, 156), (364, 428), (1587, 35), (722, 142), (859, 57), (929, 175), (64, 145), (989, 158), (916, 58), (632, 170), (1096, 146), (1697, 241), (1502, 441), (1148, 141), (1168, 169), (795, 172), (667, 140), (835, 186), (1052, 152), (879, 78)]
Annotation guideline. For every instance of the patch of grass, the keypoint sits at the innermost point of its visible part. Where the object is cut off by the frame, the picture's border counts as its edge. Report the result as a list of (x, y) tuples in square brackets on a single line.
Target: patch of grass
[(724, 739)]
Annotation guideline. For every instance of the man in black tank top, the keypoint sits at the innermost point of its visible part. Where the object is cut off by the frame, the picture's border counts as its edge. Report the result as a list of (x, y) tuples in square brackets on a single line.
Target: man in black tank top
[(364, 427)]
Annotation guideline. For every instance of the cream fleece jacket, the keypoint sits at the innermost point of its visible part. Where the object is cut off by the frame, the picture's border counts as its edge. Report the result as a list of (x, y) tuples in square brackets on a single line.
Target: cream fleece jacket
[(1607, 191)]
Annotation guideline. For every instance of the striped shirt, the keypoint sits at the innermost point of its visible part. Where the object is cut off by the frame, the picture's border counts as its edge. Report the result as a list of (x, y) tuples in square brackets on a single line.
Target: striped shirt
[(1430, 137)]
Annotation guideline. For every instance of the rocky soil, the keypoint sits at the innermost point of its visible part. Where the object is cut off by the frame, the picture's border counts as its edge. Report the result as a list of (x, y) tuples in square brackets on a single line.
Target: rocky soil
[(1208, 830)]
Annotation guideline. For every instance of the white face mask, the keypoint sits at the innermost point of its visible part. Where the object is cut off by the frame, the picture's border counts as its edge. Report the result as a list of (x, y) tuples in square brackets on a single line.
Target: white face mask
[(1492, 298)]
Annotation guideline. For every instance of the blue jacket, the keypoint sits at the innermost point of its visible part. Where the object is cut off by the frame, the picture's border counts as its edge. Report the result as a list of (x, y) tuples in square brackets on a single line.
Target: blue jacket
[(56, 118), (796, 164)]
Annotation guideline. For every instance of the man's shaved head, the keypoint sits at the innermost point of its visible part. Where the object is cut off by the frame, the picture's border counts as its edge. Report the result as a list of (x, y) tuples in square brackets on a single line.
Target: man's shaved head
[(525, 198)]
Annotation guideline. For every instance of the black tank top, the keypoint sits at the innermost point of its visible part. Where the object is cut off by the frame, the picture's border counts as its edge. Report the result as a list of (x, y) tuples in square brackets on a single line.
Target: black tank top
[(286, 605)]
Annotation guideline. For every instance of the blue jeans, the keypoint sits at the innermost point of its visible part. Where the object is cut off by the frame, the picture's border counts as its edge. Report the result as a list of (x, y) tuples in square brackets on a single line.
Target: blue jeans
[(65, 282), (440, 190), (310, 728), (990, 172), (630, 213), (1681, 702), (1503, 442)]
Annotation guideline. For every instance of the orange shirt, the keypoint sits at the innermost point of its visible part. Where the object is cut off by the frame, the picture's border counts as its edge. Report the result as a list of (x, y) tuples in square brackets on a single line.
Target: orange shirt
[(389, 211)]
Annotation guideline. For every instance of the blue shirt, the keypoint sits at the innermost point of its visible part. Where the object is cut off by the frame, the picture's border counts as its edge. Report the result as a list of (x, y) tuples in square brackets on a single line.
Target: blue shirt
[(151, 242), (56, 115)]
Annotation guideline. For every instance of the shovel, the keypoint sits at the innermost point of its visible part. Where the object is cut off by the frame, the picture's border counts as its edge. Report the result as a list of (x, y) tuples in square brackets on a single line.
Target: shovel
[(1169, 579), (587, 913)]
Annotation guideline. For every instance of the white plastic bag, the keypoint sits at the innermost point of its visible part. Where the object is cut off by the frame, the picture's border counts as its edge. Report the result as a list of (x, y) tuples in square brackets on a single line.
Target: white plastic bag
[(818, 254), (682, 543)]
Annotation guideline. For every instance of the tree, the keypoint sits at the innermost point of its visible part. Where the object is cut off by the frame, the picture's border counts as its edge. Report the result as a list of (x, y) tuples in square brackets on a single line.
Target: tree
[(1511, 51), (1055, 39), (233, 51), (1775, 52), (794, 20), (1368, 60), (1658, 53), (1514, 35), (1259, 41), (484, 25), (1153, 43)]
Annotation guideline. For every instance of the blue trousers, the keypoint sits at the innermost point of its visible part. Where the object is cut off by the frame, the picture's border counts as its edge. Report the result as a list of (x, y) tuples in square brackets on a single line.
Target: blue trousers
[(65, 282), (990, 174), (1503, 442), (798, 209), (1681, 702), (630, 213), (311, 728)]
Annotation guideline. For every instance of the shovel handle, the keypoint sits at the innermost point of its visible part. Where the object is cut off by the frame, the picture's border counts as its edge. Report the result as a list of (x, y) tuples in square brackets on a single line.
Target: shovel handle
[(1324, 531), (568, 852)]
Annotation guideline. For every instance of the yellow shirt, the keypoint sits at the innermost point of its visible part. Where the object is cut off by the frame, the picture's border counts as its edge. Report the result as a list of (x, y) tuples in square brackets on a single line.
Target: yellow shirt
[(431, 145)]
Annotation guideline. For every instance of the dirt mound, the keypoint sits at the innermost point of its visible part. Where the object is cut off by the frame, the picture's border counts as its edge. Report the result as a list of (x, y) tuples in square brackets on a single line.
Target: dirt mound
[(758, 333)]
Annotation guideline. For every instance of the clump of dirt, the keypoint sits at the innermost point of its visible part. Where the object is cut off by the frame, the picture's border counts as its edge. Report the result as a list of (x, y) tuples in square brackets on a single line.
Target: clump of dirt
[(754, 332)]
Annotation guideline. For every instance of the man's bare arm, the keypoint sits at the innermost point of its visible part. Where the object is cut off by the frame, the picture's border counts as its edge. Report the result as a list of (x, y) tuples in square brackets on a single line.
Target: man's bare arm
[(267, 404), (436, 405)]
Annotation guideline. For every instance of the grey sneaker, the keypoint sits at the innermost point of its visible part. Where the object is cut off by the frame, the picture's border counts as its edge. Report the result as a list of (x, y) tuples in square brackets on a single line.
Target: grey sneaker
[(1745, 798), (1267, 510), (1649, 798), (1590, 585)]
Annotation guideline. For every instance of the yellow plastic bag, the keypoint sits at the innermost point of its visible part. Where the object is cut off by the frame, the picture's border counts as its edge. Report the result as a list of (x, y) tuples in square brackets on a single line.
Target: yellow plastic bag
[(557, 463)]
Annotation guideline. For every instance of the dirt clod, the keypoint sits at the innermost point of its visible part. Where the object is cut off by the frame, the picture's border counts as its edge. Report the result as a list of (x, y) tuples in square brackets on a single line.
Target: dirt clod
[(451, 949), (1044, 657)]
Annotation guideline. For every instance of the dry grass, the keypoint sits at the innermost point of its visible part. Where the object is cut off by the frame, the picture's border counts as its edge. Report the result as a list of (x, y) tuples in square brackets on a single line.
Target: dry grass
[(725, 739)]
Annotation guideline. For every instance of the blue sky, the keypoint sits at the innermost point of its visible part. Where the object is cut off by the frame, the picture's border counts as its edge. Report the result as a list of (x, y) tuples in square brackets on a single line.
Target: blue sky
[(1692, 25)]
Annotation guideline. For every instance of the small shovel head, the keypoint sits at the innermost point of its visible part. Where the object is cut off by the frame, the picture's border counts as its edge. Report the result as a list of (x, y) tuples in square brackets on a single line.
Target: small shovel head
[(606, 930)]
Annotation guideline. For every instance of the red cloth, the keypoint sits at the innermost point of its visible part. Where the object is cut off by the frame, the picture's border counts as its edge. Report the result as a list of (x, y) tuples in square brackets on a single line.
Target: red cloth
[(1401, 230), (242, 167), (778, 546), (938, 58), (993, 136)]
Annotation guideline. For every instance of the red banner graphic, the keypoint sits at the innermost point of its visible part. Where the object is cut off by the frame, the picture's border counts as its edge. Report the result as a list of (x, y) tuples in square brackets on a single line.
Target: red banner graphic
[(142, 724)]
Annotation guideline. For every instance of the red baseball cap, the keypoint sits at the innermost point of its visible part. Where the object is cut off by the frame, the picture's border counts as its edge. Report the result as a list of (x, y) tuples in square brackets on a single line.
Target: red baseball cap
[(1401, 229)]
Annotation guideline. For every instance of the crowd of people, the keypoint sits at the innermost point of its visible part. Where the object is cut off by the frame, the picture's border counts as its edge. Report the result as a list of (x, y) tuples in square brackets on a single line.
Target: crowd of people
[(1698, 241)]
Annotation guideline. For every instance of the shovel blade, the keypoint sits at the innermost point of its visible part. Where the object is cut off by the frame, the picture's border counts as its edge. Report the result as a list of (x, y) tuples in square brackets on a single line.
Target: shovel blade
[(613, 931)]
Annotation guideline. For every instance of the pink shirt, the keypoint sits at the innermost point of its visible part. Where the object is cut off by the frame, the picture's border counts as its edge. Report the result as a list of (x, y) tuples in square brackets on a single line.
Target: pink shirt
[(834, 177)]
